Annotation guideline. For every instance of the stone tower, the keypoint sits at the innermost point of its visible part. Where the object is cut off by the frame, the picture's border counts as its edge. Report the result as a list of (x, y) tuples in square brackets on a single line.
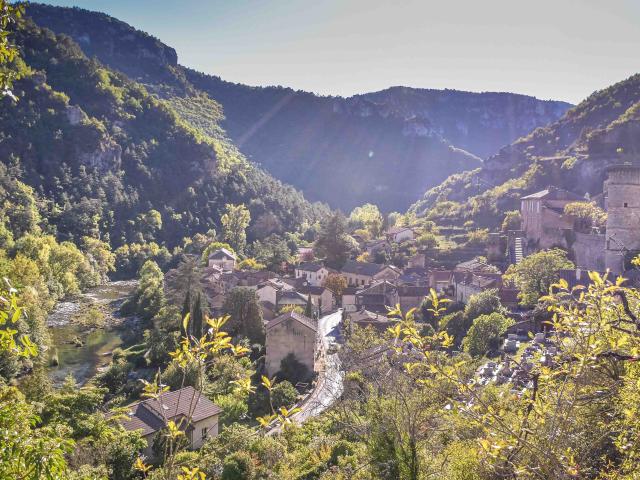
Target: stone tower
[(622, 190)]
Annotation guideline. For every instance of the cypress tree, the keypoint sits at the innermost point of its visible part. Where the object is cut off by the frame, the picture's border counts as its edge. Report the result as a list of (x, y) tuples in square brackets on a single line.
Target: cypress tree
[(186, 308), (308, 311), (197, 317)]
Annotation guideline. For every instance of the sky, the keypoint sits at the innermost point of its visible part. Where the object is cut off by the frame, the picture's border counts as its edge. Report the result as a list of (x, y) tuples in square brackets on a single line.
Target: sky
[(552, 49)]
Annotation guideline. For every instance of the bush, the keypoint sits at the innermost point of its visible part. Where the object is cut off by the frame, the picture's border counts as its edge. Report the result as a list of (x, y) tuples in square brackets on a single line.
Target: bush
[(238, 466)]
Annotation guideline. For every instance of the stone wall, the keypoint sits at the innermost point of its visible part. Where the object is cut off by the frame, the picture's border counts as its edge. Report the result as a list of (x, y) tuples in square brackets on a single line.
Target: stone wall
[(588, 251), (288, 337)]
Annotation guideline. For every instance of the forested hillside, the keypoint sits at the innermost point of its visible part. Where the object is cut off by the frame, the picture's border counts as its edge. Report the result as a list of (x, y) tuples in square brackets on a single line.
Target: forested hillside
[(385, 147), (109, 160), (572, 153)]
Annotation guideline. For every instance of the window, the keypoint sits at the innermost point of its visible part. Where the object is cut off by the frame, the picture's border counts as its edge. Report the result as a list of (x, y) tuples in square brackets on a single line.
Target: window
[(204, 432), (626, 204)]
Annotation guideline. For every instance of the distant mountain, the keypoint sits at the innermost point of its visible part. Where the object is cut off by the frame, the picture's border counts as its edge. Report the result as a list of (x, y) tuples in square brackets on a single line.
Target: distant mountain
[(572, 153), (384, 147), (105, 157)]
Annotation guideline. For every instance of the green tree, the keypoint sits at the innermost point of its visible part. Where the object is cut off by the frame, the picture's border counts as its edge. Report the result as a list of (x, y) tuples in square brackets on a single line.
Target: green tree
[(536, 273), (333, 243), (367, 216), (241, 304), (238, 466), (512, 221), (483, 303), (235, 221), (485, 333), (198, 313), (586, 214), (308, 309), (9, 14)]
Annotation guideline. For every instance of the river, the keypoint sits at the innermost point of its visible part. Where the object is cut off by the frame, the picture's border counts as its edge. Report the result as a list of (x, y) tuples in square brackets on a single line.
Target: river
[(80, 346)]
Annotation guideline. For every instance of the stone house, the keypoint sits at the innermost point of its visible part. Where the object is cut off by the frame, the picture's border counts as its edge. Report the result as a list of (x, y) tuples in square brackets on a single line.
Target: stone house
[(377, 297), (314, 273), (268, 291), (411, 296), (364, 318), (474, 283), (441, 280), (374, 247), (293, 333), (349, 298), (543, 218), (399, 234), (194, 413), (290, 298), (363, 273), (321, 297), (223, 258)]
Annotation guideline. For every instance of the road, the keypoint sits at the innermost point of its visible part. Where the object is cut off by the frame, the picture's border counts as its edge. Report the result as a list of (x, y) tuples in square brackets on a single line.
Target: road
[(330, 381)]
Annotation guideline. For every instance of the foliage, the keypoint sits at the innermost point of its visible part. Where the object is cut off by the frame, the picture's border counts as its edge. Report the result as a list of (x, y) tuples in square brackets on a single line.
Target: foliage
[(536, 273), (241, 304), (234, 225), (512, 220), (336, 283), (250, 264), (148, 298), (368, 217), (333, 243), (587, 215), (485, 334)]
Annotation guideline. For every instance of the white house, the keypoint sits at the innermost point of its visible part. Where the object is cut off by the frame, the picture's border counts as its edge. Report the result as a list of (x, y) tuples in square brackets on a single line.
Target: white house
[(363, 273), (400, 234), (222, 258), (314, 273)]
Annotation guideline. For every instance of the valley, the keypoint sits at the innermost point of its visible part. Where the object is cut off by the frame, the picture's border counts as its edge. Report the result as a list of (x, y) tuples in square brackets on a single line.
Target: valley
[(206, 280)]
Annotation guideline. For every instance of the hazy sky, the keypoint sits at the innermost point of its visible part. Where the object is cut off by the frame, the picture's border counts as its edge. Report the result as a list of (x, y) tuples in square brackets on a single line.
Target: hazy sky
[(560, 49)]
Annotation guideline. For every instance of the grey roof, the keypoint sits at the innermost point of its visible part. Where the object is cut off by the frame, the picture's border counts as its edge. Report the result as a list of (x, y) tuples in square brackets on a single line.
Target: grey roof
[(184, 403), (553, 193), (412, 291), (362, 268), (291, 297), (311, 289), (298, 317), (221, 254), (309, 267)]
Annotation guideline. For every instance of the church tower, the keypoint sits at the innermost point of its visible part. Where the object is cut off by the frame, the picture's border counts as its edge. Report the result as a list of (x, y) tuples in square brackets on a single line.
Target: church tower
[(622, 190)]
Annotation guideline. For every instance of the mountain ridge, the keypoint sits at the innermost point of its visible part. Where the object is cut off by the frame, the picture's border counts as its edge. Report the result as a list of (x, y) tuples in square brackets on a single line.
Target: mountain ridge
[(344, 151)]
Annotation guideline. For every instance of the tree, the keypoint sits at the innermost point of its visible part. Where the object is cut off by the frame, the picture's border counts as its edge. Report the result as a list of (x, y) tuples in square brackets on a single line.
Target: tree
[(250, 264), (536, 273), (587, 215), (483, 303), (273, 252), (9, 14), (198, 313), (241, 304), (512, 220), (308, 309), (333, 243), (336, 283), (484, 334), (234, 225), (184, 279), (367, 216), (238, 466), (148, 298)]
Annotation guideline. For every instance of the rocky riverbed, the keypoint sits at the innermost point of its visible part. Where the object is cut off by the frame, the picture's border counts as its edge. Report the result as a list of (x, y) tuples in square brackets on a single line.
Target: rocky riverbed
[(85, 329)]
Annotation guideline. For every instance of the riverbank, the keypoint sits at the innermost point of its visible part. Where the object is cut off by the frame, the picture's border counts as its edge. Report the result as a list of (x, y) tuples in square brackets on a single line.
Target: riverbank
[(85, 330)]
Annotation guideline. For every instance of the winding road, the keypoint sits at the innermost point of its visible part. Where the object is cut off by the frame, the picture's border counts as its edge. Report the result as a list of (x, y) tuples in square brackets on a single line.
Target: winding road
[(330, 380)]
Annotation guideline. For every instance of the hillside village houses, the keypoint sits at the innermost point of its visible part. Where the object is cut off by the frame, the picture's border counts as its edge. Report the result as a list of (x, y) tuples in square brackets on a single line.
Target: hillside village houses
[(313, 273), (371, 287)]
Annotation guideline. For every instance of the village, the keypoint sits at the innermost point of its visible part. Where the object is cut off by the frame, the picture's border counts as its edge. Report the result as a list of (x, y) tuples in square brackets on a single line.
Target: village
[(308, 311)]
